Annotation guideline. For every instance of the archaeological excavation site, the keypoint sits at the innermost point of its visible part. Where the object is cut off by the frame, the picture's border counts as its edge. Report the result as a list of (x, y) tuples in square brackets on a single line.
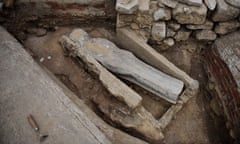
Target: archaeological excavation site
[(120, 71)]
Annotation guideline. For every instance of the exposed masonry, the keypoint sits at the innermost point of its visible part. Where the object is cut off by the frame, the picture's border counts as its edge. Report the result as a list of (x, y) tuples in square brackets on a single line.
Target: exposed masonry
[(168, 21)]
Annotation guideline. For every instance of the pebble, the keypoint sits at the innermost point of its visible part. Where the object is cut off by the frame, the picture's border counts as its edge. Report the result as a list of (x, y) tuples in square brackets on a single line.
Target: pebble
[(41, 59), (169, 42), (49, 57)]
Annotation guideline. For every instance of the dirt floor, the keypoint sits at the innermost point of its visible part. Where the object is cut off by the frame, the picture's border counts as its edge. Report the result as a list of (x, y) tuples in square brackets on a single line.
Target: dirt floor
[(193, 124)]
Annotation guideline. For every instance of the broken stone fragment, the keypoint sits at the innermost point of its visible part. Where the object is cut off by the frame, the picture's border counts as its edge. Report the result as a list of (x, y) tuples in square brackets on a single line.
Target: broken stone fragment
[(169, 42), (192, 2), (224, 12), (226, 27), (235, 3), (169, 3), (170, 32), (138, 120), (211, 4), (182, 35), (208, 25), (144, 5), (159, 31), (174, 26), (126, 6), (206, 35), (162, 14), (185, 14)]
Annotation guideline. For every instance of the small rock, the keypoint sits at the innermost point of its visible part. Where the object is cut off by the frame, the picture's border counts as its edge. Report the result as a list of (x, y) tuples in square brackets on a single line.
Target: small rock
[(207, 25), (134, 26), (182, 35), (126, 6), (174, 26), (153, 7), (169, 42), (170, 32), (211, 4), (41, 32), (235, 3), (162, 14), (169, 3), (190, 14), (206, 35), (49, 57), (226, 27), (79, 35), (192, 2), (144, 20), (224, 12), (159, 31), (144, 5), (41, 59)]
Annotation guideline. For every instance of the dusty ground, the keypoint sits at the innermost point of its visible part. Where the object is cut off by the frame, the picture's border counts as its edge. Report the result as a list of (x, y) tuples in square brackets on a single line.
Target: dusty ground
[(192, 124)]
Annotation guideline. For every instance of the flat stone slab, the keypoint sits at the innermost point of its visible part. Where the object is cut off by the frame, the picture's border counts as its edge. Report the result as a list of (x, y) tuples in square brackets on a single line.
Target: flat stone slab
[(126, 65), (132, 42), (192, 2), (27, 89)]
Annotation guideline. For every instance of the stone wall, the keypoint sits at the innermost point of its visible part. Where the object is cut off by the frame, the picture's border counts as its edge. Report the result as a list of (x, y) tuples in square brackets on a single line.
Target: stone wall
[(169, 21)]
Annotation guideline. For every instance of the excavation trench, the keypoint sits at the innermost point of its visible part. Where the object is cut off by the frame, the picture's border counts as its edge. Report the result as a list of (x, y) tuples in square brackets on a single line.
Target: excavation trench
[(74, 74), (85, 84), (39, 33)]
